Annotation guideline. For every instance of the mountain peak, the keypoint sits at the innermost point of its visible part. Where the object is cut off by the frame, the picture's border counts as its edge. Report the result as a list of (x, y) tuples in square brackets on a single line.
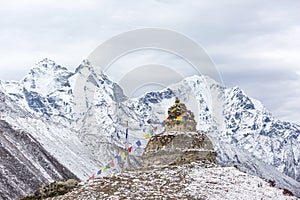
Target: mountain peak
[(47, 63), (46, 60), (45, 77), (84, 64)]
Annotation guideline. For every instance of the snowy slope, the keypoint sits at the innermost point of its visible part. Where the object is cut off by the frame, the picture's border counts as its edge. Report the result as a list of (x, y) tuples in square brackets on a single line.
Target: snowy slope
[(191, 181), (252, 128), (25, 164), (86, 140)]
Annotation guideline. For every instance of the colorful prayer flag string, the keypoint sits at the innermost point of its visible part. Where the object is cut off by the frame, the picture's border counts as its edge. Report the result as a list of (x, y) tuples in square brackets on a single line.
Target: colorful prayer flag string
[(125, 153)]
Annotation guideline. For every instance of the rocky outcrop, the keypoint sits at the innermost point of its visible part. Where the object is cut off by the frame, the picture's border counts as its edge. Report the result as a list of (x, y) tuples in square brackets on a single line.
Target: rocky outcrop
[(54, 189)]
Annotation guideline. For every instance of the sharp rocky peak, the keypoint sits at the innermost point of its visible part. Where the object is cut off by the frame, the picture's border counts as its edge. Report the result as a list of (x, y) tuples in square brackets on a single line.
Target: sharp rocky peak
[(49, 68), (45, 77), (50, 64)]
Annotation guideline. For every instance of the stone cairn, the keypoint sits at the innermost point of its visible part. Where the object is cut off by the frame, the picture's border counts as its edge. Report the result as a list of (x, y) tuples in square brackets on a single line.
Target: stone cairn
[(179, 142)]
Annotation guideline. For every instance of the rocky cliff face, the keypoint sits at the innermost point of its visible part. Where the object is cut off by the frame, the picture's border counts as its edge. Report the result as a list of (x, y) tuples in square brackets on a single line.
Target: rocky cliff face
[(25, 165)]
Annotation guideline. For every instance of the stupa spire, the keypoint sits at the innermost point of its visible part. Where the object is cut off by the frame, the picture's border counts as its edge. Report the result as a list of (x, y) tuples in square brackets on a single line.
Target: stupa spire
[(180, 118)]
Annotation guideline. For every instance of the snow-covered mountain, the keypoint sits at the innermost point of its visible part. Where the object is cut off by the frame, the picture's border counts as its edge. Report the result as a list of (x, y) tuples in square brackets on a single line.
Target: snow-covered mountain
[(82, 124)]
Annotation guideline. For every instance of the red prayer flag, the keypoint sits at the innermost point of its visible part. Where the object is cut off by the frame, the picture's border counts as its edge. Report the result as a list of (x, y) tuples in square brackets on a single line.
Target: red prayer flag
[(130, 149), (155, 128), (112, 164), (93, 176)]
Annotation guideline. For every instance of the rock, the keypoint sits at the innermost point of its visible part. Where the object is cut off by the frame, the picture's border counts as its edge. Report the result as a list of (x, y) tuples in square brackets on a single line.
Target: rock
[(54, 189)]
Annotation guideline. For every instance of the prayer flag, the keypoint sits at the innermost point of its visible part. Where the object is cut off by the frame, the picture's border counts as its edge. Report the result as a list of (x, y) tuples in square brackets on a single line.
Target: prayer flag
[(162, 124), (99, 172), (119, 158), (112, 164), (126, 152), (155, 128), (179, 118), (130, 149), (148, 136), (103, 169), (107, 166), (185, 117), (151, 133), (138, 143), (123, 155), (93, 176)]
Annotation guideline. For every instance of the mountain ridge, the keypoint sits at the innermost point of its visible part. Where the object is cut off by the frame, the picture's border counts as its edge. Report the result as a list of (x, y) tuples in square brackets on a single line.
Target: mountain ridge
[(53, 122)]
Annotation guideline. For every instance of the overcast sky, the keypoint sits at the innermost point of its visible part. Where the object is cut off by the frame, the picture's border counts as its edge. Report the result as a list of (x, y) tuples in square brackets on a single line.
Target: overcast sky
[(254, 44)]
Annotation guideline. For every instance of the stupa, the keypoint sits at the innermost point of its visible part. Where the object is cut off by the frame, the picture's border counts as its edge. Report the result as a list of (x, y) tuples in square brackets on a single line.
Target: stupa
[(179, 142)]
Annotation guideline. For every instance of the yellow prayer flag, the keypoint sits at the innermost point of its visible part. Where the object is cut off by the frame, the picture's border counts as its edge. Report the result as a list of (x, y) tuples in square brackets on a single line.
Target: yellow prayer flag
[(148, 136), (179, 117), (103, 169), (123, 155)]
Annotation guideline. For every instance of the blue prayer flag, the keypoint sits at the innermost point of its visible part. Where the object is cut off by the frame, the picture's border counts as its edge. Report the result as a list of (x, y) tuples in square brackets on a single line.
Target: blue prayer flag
[(138, 143), (99, 172), (119, 158)]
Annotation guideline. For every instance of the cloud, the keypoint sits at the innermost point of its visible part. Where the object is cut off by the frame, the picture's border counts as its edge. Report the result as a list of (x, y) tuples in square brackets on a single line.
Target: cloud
[(251, 42)]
